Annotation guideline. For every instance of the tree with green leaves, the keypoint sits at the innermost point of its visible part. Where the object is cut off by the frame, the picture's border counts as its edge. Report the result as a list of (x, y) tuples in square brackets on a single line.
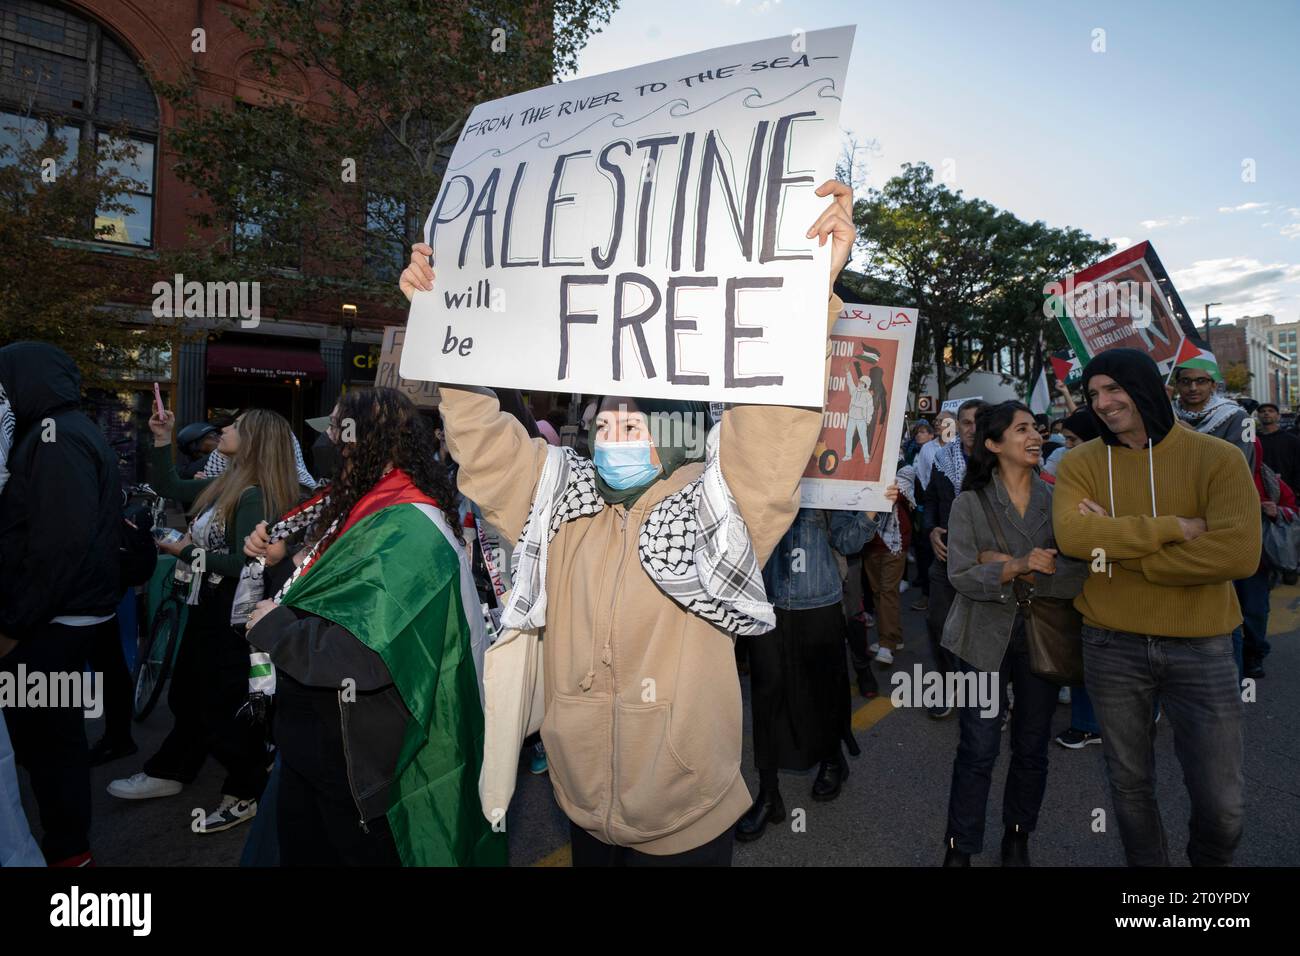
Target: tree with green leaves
[(314, 200), (58, 192), (976, 273)]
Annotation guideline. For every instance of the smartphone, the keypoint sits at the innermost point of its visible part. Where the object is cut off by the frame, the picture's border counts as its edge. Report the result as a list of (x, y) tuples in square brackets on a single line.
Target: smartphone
[(157, 399), (168, 535)]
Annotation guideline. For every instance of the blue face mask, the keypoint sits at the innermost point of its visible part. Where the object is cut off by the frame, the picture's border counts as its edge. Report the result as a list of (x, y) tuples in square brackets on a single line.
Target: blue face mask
[(625, 464)]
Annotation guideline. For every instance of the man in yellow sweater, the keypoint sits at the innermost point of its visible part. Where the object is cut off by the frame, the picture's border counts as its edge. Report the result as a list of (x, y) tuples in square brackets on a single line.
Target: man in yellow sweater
[(1168, 518)]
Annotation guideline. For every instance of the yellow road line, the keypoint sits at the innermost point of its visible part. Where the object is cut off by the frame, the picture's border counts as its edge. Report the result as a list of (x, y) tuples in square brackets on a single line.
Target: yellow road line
[(1284, 610), (864, 718), (872, 713), (561, 857)]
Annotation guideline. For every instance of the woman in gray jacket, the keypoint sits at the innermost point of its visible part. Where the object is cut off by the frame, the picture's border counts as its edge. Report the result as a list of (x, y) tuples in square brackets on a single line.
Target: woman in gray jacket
[(985, 630)]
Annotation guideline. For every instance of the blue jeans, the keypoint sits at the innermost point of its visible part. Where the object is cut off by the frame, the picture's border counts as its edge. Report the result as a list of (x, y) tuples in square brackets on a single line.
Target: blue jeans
[(17, 848), (981, 738), (1195, 680), (1252, 595), (1082, 716)]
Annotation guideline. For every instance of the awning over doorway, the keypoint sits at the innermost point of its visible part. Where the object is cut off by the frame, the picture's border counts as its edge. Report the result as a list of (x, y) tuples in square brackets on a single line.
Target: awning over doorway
[(264, 362)]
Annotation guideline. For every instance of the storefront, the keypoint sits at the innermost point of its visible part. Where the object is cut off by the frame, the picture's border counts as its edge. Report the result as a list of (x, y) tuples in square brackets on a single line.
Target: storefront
[(247, 371)]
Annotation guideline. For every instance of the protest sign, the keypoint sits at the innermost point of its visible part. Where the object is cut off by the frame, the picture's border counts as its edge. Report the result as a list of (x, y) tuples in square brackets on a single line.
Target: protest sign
[(642, 232), (952, 404), (423, 394), (862, 421), (1125, 301)]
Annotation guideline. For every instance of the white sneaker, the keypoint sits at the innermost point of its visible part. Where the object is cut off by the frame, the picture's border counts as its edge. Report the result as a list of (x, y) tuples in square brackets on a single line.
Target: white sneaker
[(903, 586), (141, 786), (884, 657), (875, 648), (231, 813)]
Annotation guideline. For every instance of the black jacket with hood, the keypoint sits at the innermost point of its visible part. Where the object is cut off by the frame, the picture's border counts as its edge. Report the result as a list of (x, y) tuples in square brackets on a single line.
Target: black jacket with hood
[(61, 511)]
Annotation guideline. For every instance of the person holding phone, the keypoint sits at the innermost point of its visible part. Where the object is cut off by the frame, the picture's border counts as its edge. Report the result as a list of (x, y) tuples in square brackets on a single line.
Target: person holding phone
[(210, 679)]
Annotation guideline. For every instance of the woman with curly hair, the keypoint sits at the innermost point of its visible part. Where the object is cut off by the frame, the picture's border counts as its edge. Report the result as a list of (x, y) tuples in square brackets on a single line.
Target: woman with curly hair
[(376, 643)]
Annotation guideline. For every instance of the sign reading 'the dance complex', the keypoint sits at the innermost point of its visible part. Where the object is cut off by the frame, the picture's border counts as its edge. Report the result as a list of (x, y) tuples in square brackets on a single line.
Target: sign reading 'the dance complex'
[(642, 232)]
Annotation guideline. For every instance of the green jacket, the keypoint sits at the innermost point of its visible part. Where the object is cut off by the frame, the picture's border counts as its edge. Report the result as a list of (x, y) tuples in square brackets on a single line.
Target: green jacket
[(251, 509)]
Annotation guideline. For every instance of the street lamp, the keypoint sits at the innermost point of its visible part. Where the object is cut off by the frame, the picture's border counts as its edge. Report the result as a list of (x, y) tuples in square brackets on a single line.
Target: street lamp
[(1207, 320), (349, 323)]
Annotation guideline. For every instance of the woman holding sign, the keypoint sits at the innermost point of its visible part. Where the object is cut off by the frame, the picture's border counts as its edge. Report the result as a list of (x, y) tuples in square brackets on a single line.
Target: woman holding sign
[(619, 559)]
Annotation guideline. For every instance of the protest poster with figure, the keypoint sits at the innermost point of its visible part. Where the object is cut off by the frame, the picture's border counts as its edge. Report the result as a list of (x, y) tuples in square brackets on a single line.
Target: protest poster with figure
[(423, 394), (866, 397), (642, 232), (1124, 301)]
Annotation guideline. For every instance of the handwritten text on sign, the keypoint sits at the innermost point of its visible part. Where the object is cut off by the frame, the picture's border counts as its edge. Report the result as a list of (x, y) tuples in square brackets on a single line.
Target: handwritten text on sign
[(642, 232)]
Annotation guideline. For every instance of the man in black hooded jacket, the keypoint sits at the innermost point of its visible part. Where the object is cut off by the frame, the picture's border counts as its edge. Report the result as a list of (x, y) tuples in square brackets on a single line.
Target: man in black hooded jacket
[(60, 525)]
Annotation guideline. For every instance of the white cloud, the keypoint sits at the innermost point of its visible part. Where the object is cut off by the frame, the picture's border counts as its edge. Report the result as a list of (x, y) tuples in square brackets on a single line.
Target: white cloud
[(1241, 284), (1150, 224), (1244, 207), (1291, 231), (1122, 242)]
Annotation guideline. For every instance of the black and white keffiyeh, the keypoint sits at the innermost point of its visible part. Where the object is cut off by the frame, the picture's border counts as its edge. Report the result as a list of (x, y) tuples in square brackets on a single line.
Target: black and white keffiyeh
[(891, 532), (952, 463), (252, 586), (6, 435), (694, 545)]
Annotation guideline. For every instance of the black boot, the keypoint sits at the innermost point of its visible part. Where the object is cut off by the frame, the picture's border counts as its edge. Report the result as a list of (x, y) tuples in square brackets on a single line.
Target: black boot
[(1015, 847), (851, 745), (955, 857), (830, 778), (104, 750), (768, 808)]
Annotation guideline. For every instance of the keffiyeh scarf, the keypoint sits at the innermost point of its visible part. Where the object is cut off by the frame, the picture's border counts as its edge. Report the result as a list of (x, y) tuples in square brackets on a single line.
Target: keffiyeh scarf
[(6, 436), (952, 463), (891, 531), (694, 545), (208, 532), (1210, 418)]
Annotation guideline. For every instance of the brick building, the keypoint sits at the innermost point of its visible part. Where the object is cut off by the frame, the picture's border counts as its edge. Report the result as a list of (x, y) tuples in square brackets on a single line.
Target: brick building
[(81, 61)]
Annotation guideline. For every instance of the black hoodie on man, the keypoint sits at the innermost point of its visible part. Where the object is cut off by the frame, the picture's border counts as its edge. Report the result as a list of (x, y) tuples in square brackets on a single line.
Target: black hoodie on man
[(61, 511)]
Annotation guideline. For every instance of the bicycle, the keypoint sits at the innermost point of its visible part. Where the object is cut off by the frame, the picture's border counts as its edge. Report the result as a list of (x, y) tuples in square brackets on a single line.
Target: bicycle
[(166, 614)]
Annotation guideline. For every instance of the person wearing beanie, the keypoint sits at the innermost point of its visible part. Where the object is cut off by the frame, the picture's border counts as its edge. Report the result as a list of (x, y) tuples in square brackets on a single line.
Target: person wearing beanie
[(1168, 518)]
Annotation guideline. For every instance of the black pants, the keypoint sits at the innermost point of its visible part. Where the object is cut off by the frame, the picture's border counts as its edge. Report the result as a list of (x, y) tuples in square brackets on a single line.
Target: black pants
[(319, 828), (924, 552), (981, 739), (588, 851), (106, 657), (51, 741), (209, 685), (941, 598)]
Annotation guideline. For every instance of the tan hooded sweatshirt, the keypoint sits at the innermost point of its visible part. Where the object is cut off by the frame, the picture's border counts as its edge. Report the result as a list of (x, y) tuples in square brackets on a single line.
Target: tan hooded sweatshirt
[(643, 713)]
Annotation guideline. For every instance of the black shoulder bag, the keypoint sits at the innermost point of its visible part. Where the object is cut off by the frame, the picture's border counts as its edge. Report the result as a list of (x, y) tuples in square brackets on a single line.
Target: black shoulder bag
[(1053, 628)]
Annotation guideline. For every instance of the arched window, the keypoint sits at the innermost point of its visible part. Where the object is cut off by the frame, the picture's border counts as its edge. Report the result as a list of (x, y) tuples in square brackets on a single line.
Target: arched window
[(59, 67)]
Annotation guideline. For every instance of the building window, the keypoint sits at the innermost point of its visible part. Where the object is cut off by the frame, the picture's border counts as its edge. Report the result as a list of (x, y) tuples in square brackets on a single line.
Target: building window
[(385, 244), (266, 230), (59, 68)]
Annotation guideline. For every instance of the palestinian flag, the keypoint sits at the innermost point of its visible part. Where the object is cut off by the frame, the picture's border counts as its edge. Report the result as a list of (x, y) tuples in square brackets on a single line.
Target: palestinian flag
[(395, 578), (1190, 355), (868, 354)]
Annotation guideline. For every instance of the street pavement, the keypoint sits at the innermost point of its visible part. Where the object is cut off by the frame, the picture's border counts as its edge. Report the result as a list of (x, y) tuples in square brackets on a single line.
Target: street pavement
[(892, 809)]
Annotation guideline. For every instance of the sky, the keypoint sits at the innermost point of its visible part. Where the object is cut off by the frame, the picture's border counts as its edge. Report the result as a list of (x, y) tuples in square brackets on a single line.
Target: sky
[(1174, 122)]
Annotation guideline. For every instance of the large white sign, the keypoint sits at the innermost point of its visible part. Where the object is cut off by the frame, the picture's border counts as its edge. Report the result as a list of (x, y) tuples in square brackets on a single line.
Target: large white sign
[(862, 419), (642, 232)]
